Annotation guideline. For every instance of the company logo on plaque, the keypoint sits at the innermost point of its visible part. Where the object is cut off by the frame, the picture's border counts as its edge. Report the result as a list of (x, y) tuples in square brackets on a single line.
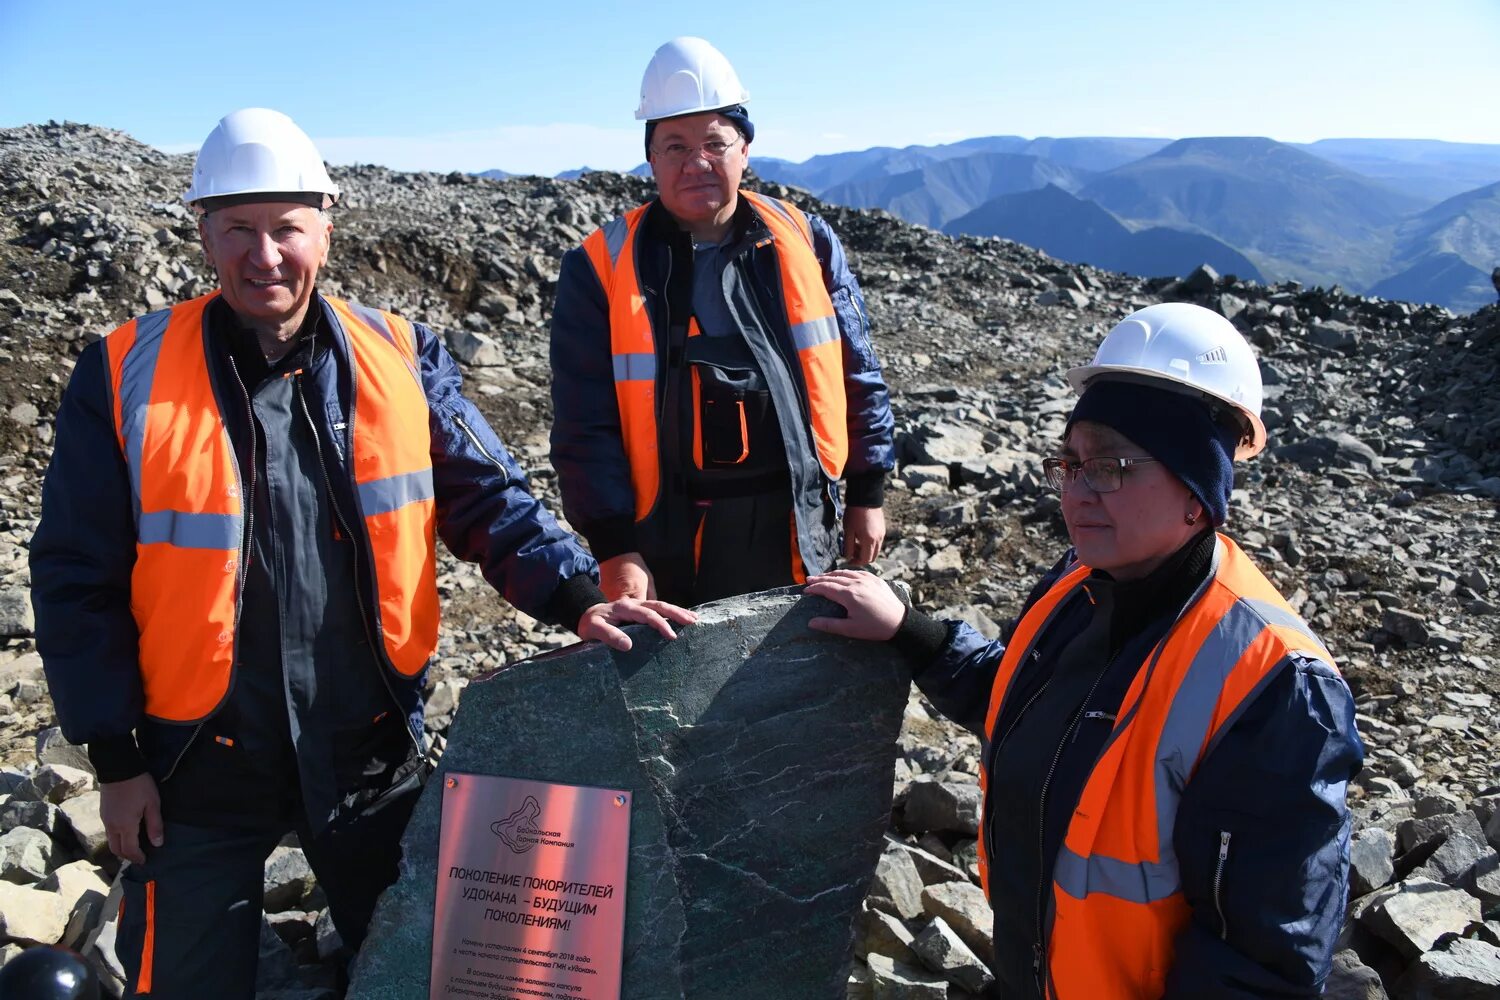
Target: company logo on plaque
[(518, 830)]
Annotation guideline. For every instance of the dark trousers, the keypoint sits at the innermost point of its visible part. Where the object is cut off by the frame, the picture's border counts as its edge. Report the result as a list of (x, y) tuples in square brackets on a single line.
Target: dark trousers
[(741, 545), (190, 920)]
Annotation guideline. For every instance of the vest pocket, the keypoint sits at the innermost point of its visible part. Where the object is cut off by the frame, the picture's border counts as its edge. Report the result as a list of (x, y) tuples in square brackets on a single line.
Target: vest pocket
[(728, 406), (735, 422)]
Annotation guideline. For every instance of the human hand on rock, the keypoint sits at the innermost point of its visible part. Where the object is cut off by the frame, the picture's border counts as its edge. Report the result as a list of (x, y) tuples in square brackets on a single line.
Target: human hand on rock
[(875, 612), (599, 621)]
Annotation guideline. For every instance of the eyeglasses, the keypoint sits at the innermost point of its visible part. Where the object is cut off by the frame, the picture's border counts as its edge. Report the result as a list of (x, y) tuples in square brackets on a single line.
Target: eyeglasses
[(1102, 475), (714, 150)]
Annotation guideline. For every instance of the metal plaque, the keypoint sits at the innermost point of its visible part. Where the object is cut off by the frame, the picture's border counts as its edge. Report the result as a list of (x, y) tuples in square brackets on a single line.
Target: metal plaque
[(530, 890)]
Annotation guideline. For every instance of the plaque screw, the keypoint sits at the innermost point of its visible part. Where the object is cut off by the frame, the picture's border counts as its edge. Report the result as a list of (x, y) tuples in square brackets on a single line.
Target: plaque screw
[(452, 782), (619, 800)]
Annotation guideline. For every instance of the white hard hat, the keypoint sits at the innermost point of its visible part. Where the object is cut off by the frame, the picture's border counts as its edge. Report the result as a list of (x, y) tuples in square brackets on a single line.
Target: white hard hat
[(258, 150), (685, 76), (1184, 348)]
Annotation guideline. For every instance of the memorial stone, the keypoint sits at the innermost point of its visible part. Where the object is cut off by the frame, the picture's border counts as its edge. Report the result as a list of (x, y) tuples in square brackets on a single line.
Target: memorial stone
[(758, 756)]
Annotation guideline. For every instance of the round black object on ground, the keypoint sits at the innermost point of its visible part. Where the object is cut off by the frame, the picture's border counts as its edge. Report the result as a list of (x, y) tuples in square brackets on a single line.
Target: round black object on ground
[(48, 974)]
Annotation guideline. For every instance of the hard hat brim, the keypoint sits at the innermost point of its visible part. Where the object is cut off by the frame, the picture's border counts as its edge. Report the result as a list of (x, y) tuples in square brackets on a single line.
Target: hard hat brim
[(1252, 443)]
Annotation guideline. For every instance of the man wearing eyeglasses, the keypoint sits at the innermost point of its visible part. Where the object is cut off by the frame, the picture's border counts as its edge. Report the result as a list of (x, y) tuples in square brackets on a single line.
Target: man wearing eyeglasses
[(713, 378)]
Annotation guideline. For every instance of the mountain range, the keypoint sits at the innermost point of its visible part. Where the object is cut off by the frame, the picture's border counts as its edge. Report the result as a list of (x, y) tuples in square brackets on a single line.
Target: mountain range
[(1401, 218)]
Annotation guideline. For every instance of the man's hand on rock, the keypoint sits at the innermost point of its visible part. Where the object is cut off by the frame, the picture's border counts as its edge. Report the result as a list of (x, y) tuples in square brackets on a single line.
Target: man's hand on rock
[(599, 621), (123, 807)]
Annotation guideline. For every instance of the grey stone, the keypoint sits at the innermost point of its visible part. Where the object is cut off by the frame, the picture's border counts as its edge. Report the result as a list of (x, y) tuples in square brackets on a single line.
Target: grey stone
[(963, 906), (80, 821), (59, 782), (1482, 881), (932, 869), (966, 858), (942, 807), (15, 613), (53, 748), (30, 915), (327, 936), (1436, 803), (897, 981), (759, 756), (30, 813), (1334, 335), (25, 855), (475, 349), (1419, 913), (944, 443), (294, 927), (1406, 626), (278, 977), (1200, 282), (942, 951), (288, 879), (1063, 297), (1318, 452), (1371, 860), (1465, 970), (897, 886), (916, 475), (1351, 979), (1435, 829), (82, 887), (881, 933), (26, 667), (1454, 857)]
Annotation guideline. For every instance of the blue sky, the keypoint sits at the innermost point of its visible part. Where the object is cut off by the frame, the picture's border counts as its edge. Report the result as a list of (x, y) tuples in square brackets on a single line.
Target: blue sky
[(543, 87)]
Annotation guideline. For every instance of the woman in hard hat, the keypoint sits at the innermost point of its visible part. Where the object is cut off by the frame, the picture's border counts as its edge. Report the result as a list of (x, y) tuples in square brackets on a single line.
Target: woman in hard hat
[(1166, 744)]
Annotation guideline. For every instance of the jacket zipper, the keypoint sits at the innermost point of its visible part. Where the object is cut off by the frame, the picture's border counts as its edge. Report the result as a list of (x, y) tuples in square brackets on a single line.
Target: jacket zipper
[(474, 440), (338, 516), (247, 504), (1224, 836), (1039, 949)]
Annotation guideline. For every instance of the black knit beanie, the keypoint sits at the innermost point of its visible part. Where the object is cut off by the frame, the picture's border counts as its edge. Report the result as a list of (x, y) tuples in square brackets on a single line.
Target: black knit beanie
[(1177, 430)]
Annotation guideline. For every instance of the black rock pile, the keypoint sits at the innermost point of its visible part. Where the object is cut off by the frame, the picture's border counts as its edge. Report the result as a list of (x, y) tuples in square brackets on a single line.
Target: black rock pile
[(1374, 510)]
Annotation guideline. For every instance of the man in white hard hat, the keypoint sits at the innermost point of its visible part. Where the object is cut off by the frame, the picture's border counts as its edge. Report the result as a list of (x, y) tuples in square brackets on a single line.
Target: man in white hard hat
[(234, 573), (713, 377)]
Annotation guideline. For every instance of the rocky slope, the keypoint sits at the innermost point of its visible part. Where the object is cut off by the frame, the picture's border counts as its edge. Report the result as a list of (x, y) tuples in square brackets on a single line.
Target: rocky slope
[(1375, 511)]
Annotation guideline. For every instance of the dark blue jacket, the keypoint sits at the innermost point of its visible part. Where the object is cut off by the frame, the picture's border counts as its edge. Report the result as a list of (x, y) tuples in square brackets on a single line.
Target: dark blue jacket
[(1276, 782), (84, 548), (588, 447)]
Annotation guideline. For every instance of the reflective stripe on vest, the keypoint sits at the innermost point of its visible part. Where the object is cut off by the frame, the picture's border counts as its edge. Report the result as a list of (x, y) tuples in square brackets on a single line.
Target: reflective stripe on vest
[(186, 497), (815, 335), (1117, 894)]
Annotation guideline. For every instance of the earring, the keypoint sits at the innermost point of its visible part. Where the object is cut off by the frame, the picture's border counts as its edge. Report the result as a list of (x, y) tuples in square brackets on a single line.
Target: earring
[(1191, 519)]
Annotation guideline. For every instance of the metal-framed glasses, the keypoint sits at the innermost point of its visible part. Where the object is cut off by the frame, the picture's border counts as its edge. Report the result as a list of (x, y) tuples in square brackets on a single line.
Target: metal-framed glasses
[(1102, 475), (714, 150)]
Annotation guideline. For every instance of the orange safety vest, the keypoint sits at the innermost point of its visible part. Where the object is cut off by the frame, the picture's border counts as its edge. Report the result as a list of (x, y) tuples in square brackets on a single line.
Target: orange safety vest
[(189, 517), (1116, 891), (809, 315)]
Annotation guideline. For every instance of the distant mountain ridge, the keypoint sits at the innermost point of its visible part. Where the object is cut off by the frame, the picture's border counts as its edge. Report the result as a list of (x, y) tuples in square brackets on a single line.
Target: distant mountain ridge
[(1054, 221), (1295, 214), (1410, 218), (937, 192)]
